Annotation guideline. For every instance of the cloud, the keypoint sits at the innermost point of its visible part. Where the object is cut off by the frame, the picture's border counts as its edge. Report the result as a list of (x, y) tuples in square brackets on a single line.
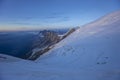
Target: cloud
[(24, 23), (65, 18), (56, 17), (39, 20)]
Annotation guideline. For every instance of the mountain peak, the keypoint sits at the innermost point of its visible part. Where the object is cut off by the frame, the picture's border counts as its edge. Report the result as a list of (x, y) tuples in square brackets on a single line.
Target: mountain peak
[(107, 19)]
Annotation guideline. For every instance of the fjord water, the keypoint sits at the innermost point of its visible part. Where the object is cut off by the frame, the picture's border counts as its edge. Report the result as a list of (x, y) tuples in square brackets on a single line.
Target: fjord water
[(16, 43)]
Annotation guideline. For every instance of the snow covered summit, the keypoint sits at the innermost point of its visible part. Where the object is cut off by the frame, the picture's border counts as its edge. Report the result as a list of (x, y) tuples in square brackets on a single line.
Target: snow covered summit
[(90, 53), (97, 39)]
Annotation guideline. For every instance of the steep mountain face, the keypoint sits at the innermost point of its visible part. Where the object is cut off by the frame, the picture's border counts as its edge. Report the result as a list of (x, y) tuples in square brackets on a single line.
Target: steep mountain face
[(47, 42), (92, 50), (43, 41), (90, 53), (49, 38), (102, 34)]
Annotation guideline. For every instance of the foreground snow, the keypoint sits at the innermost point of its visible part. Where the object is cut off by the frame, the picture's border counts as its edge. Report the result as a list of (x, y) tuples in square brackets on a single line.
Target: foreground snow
[(90, 53)]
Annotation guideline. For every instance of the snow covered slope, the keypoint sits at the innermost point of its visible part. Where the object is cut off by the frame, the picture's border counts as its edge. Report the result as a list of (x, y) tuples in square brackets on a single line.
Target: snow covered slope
[(90, 53), (6, 58)]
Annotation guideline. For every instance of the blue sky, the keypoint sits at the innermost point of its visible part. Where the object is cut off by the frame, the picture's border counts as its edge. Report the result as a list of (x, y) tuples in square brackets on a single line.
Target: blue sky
[(37, 14)]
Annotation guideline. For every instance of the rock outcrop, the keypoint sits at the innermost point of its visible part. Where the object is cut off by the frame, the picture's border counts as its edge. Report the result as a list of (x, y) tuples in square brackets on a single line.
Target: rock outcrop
[(47, 42), (42, 45), (48, 38), (68, 33)]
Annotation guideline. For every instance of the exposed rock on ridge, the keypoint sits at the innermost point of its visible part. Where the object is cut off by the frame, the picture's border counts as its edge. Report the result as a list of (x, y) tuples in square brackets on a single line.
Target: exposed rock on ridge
[(50, 38)]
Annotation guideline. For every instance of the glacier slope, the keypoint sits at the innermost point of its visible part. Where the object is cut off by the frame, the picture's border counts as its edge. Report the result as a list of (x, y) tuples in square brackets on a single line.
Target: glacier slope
[(90, 53)]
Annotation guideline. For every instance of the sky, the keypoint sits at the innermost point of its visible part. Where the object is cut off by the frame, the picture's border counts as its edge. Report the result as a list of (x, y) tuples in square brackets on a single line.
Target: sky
[(44, 14)]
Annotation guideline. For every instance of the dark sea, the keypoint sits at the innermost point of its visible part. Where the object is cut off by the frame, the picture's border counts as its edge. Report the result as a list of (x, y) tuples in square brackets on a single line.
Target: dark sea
[(19, 43), (16, 43)]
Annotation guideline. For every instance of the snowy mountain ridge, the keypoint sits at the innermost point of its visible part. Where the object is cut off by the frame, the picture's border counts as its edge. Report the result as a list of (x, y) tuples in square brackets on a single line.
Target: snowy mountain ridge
[(90, 53), (76, 43), (107, 19)]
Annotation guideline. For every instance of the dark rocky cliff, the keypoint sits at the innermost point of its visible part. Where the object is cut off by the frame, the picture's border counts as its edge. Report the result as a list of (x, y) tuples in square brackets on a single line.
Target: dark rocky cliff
[(42, 45)]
